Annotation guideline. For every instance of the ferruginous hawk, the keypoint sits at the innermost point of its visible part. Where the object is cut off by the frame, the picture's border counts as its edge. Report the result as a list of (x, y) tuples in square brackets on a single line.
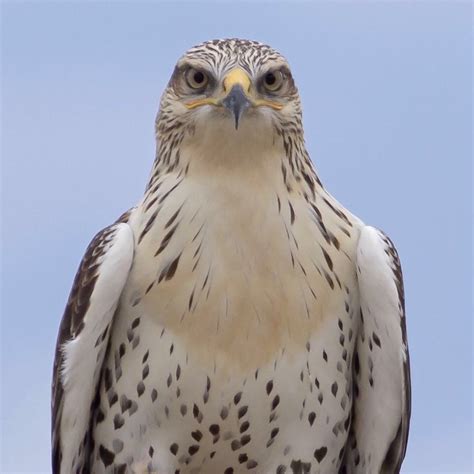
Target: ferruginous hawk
[(238, 319)]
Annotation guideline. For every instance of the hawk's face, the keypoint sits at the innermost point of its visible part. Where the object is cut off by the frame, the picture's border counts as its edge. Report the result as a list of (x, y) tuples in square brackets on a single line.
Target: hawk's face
[(230, 86)]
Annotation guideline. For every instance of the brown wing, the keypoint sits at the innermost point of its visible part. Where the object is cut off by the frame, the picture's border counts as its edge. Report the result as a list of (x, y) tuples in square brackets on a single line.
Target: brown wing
[(107, 258)]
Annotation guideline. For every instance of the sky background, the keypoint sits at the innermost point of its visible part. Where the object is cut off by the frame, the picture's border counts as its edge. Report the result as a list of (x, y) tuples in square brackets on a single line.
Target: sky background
[(386, 90)]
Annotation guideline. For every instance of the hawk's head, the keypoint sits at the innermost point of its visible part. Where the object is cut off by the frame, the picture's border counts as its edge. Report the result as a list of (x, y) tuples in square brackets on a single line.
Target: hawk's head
[(230, 85)]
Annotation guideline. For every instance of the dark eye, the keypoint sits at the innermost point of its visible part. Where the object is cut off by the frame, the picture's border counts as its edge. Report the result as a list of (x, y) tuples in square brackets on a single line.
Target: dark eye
[(196, 79), (273, 80)]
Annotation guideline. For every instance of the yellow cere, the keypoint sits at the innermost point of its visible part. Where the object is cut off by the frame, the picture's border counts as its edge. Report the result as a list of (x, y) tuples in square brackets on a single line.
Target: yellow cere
[(237, 77)]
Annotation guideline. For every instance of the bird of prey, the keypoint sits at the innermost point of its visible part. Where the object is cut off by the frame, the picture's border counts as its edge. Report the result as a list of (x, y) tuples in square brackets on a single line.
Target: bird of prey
[(238, 319)]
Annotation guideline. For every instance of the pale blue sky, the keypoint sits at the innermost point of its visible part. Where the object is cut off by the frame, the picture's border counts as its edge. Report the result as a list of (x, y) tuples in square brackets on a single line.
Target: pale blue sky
[(386, 89)]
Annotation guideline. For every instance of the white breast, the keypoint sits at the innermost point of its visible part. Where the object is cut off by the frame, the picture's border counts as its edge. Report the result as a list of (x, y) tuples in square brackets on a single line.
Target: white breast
[(230, 290), (249, 275)]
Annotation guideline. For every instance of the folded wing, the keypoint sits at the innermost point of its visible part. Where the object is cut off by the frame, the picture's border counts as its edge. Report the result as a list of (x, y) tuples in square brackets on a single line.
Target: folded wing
[(82, 343), (381, 411)]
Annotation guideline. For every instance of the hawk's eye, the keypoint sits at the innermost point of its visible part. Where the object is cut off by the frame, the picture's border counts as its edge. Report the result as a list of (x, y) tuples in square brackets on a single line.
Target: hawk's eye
[(273, 80), (196, 79)]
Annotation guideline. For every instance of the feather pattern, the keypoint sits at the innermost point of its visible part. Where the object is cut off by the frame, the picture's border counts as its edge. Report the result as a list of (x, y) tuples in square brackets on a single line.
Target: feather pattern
[(382, 399), (82, 342), (239, 318)]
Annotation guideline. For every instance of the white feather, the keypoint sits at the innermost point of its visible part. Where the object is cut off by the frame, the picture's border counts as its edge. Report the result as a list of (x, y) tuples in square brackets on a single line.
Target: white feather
[(381, 406), (83, 359)]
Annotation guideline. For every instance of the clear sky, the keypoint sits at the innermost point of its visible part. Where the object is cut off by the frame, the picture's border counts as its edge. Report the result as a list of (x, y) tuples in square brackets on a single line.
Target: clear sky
[(386, 90)]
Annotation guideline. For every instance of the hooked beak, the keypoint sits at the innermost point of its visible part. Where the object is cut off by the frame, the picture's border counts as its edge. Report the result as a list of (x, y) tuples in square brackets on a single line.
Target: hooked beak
[(236, 101), (237, 85)]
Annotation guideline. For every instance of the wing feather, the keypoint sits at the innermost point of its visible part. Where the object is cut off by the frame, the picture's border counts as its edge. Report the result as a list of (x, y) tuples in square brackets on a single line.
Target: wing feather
[(382, 398), (82, 342)]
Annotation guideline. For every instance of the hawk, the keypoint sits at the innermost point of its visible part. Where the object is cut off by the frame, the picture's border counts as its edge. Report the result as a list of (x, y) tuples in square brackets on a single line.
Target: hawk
[(238, 319)]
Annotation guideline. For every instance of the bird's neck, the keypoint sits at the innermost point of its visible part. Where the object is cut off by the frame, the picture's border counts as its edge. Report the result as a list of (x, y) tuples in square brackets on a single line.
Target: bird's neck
[(249, 158)]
